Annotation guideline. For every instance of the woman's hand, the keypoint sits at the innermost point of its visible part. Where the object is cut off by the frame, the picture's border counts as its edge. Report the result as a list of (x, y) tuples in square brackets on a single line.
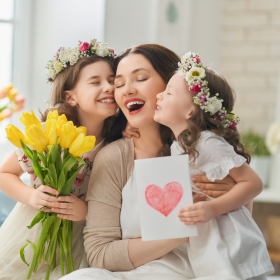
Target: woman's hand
[(70, 208), (214, 189), (40, 197), (197, 213), (130, 131)]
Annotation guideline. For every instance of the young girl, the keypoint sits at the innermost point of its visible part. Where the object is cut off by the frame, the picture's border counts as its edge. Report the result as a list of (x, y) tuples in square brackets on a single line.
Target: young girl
[(83, 90), (197, 105)]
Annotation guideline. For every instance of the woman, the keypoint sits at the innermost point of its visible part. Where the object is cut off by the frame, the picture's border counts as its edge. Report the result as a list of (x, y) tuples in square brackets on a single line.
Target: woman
[(112, 233)]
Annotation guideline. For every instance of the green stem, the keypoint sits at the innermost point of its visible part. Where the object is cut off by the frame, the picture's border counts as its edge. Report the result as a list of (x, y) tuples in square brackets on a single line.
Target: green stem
[(60, 255), (69, 244)]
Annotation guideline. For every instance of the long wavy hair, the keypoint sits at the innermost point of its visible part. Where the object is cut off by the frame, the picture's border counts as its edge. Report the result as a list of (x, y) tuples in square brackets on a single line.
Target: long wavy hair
[(165, 62), (201, 121), (67, 80)]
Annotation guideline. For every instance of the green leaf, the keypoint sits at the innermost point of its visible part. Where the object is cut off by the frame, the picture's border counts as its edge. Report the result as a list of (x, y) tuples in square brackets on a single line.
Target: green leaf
[(43, 159), (37, 168), (68, 185), (59, 239), (26, 150), (47, 180), (21, 252), (79, 159), (37, 219), (58, 163), (54, 175), (69, 164), (61, 181), (69, 244), (54, 151), (53, 238), (66, 153)]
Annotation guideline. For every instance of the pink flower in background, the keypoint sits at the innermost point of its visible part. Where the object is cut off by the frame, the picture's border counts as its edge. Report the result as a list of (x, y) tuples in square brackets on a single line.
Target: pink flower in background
[(84, 47), (196, 87), (112, 51), (6, 113), (79, 179), (19, 103), (3, 93)]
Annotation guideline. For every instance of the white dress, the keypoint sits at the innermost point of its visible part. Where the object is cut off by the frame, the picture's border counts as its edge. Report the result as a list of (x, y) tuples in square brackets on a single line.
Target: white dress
[(14, 231), (232, 240)]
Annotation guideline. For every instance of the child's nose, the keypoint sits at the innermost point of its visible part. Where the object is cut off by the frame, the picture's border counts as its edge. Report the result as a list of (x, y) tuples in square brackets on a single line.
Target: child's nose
[(159, 95)]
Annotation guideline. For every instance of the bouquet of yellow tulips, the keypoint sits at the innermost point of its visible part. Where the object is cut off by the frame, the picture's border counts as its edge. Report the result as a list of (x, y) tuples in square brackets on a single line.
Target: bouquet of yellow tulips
[(55, 155)]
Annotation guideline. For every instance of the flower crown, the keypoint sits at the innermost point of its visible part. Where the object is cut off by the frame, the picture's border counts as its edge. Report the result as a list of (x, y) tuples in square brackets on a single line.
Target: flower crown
[(192, 66), (67, 56)]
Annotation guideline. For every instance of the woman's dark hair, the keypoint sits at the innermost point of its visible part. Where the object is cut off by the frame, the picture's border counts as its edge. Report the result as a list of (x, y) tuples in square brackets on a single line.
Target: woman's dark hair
[(67, 80), (201, 120), (165, 62)]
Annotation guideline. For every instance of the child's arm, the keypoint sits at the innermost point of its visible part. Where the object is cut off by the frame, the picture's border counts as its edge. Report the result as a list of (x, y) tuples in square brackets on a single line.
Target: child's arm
[(248, 186), (11, 185)]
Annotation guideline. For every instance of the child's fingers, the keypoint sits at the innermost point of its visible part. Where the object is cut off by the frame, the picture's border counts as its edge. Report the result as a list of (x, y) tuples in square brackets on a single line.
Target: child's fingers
[(193, 219), (47, 198), (193, 223), (45, 203), (188, 208), (46, 210), (189, 214), (47, 189), (62, 205), (65, 199), (65, 217), (62, 211)]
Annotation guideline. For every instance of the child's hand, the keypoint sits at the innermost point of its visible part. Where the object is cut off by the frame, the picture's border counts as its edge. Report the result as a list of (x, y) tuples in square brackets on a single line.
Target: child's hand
[(40, 197), (70, 208), (130, 131), (197, 213)]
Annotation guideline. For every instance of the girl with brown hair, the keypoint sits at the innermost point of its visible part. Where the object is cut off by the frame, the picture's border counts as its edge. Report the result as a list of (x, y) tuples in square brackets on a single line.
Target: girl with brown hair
[(112, 234), (82, 90), (197, 105)]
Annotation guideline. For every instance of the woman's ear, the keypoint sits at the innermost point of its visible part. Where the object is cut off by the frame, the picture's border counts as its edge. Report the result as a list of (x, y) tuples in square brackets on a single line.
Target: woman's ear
[(70, 98)]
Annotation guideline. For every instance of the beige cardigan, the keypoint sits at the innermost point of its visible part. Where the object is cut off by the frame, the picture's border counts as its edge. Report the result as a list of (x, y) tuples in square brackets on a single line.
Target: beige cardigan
[(112, 168)]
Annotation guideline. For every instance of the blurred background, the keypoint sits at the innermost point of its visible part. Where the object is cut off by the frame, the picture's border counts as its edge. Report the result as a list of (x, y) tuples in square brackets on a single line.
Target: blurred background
[(239, 38)]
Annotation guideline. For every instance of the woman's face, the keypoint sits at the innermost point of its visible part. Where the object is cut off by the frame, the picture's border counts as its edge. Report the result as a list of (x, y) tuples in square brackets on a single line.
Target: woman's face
[(94, 91), (136, 85), (174, 104)]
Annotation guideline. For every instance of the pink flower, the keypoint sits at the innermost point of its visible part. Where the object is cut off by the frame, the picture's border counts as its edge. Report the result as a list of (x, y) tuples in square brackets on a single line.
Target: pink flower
[(24, 158), (197, 59), (79, 179), (112, 51), (84, 47), (217, 118), (3, 93), (196, 87), (6, 113), (233, 125)]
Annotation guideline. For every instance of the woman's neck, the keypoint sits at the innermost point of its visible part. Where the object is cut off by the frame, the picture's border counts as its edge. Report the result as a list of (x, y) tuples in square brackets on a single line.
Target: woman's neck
[(149, 144), (94, 125)]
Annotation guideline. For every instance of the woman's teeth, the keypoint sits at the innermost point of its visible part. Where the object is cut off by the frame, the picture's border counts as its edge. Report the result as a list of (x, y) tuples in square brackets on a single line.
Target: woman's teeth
[(130, 104), (110, 100)]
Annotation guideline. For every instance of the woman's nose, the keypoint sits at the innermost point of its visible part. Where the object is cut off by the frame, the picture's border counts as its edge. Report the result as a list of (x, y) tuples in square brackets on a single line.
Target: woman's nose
[(128, 90)]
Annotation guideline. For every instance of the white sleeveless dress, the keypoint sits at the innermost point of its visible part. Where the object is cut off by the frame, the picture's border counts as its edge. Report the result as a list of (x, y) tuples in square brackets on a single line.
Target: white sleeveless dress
[(231, 244), (14, 231)]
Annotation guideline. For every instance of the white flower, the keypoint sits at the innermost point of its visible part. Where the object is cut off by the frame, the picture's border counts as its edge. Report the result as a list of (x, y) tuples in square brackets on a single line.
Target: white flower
[(102, 50), (64, 54), (186, 57), (273, 137), (195, 73), (214, 104), (74, 56), (52, 73), (57, 66)]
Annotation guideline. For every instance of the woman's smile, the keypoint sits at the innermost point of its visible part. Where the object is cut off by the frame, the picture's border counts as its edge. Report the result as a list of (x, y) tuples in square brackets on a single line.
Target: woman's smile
[(134, 105)]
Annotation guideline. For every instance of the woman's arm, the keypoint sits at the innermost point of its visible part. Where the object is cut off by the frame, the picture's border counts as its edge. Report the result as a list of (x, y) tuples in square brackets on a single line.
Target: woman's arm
[(217, 188), (248, 186), (11, 185)]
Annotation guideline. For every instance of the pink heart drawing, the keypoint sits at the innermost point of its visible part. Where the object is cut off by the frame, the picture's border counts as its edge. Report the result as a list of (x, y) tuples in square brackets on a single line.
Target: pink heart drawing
[(166, 199)]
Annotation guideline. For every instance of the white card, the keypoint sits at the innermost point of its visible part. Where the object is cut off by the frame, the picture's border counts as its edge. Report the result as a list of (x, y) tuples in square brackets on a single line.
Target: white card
[(164, 187)]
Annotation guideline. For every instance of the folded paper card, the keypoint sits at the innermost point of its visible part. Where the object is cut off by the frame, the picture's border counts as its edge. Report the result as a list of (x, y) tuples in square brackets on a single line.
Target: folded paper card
[(163, 186)]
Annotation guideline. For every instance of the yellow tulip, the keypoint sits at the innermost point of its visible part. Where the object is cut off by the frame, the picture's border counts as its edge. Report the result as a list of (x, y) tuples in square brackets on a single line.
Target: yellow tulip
[(67, 134), (29, 119), (49, 124), (12, 94), (37, 136), (52, 135), (61, 120), (82, 145), (82, 129), (9, 87), (52, 115), (14, 135)]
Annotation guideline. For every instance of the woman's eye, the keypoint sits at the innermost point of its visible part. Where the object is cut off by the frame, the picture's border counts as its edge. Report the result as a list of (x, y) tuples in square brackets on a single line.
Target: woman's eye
[(119, 85), (141, 80)]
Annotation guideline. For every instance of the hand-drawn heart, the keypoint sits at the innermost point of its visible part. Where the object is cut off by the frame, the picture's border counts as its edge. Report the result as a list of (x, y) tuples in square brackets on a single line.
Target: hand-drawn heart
[(166, 199)]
